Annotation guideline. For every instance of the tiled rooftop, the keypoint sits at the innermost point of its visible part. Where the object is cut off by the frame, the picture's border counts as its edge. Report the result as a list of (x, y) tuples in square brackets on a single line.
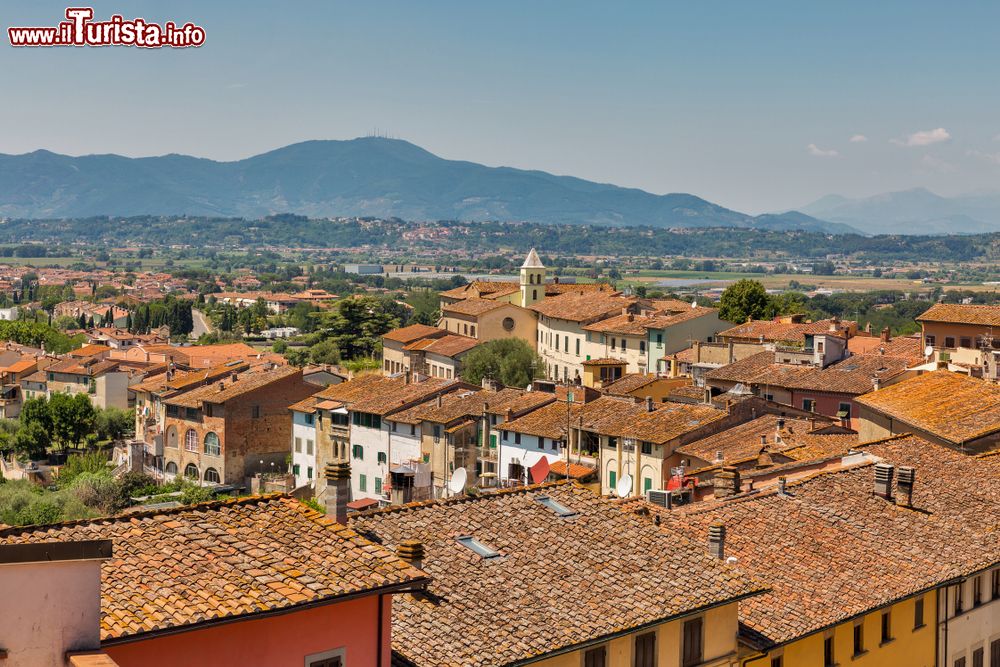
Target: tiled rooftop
[(780, 332), (625, 418), (954, 313), (849, 376), (557, 581), (581, 306), (412, 333), (221, 560), (251, 380), (950, 406), (831, 538), (474, 306)]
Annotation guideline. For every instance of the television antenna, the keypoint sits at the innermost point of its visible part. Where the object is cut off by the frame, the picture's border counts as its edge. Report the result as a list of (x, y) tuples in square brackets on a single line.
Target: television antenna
[(458, 479), (624, 487)]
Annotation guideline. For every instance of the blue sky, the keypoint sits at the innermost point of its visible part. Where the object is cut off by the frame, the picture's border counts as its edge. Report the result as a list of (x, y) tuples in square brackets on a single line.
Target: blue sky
[(752, 105)]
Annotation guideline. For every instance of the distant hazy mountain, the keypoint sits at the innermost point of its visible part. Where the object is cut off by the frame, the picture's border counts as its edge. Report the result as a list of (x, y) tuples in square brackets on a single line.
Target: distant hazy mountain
[(371, 176), (917, 211)]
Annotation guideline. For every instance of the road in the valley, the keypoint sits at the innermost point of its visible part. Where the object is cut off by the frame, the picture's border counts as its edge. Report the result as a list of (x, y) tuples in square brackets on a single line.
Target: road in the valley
[(201, 324)]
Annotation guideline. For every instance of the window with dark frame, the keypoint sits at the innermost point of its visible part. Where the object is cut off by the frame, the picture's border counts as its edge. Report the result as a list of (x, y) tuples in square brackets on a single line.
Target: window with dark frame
[(596, 657), (645, 650), (958, 599), (918, 614), (995, 653), (776, 661), (977, 658), (995, 585), (691, 652), (828, 656), (977, 591), (960, 662), (859, 639), (886, 627)]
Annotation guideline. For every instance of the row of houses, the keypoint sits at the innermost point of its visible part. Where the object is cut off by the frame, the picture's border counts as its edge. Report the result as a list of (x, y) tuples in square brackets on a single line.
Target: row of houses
[(890, 559)]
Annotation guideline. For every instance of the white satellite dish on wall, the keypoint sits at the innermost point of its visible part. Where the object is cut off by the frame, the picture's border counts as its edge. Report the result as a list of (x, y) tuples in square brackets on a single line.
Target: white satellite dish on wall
[(624, 487), (458, 479), (929, 350)]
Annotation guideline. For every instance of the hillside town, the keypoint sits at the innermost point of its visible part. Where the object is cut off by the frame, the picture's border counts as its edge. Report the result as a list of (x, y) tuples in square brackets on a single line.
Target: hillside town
[(661, 486)]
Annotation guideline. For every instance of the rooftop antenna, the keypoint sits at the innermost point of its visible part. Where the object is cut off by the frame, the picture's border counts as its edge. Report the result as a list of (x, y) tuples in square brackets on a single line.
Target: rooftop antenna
[(458, 479), (624, 487)]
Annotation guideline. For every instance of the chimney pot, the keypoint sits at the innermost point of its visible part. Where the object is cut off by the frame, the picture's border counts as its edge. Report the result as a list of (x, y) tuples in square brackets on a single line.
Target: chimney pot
[(781, 423), (649, 404), (763, 439), (883, 480), (782, 485), (338, 490), (727, 482), (717, 541), (904, 486), (411, 552)]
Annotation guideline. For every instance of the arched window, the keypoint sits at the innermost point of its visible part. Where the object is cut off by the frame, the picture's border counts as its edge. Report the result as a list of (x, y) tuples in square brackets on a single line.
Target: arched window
[(534, 295), (212, 445), (171, 468), (212, 476), (172, 437), (191, 471), (191, 441)]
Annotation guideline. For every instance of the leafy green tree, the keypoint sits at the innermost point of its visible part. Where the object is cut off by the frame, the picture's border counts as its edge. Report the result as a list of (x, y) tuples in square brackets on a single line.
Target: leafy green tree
[(509, 361), (36, 411), (425, 304), (324, 352), (357, 325), (114, 423), (745, 300), (31, 442), (72, 417)]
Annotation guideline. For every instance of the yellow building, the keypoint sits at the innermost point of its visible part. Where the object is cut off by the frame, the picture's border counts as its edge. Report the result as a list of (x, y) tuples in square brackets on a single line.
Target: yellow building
[(858, 560), (556, 576)]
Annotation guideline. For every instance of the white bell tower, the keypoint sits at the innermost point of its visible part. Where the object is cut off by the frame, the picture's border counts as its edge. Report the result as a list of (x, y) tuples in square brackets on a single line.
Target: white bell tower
[(532, 280)]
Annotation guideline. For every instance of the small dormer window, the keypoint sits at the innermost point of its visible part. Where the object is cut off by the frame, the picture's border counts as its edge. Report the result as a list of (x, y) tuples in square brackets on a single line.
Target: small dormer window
[(474, 545)]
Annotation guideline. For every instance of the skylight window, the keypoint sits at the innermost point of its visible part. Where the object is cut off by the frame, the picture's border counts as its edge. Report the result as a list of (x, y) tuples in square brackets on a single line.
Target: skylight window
[(478, 547), (556, 507)]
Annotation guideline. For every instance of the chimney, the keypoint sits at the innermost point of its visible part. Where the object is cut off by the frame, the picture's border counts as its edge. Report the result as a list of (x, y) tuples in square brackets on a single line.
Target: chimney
[(782, 486), (630, 317), (649, 404), (719, 455), (235, 377), (411, 552), (781, 423), (876, 383), (438, 400), (727, 482), (222, 385), (696, 347), (885, 335), (883, 480), (717, 541), (763, 440), (406, 377), (708, 395), (509, 415), (338, 490), (904, 486)]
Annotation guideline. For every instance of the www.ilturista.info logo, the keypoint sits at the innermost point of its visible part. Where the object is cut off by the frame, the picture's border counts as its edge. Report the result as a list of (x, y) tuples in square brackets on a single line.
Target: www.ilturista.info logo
[(80, 30)]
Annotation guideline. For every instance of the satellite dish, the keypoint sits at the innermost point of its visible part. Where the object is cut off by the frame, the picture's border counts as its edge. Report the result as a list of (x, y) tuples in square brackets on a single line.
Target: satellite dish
[(694, 304), (929, 350), (458, 479), (624, 486)]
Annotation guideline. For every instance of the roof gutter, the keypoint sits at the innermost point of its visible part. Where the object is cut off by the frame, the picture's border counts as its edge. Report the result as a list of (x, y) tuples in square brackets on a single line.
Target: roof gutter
[(411, 586), (628, 631)]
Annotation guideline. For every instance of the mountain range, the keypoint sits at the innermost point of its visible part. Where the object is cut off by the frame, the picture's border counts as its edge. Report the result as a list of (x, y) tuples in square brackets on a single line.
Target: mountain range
[(359, 177), (916, 211)]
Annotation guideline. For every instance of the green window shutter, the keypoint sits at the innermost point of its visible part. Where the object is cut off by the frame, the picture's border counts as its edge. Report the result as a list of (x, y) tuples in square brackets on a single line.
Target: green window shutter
[(378, 485), (612, 479), (363, 482), (647, 484)]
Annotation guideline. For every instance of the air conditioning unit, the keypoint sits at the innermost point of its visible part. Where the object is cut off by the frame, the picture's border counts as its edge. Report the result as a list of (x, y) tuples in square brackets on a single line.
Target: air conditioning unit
[(659, 497)]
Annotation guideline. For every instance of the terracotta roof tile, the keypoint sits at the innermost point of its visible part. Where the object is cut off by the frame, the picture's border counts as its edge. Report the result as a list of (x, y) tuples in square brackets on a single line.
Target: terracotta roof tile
[(619, 417), (829, 537), (412, 333), (951, 406), (771, 331), (474, 306), (954, 313), (221, 560), (582, 306), (850, 376), (553, 585), (232, 388)]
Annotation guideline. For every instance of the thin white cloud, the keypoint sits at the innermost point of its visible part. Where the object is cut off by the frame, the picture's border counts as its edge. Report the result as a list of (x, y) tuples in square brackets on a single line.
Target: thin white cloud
[(858, 139), (236, 85), (816, 151), (932, 163), (924, 138), (992, 158)]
